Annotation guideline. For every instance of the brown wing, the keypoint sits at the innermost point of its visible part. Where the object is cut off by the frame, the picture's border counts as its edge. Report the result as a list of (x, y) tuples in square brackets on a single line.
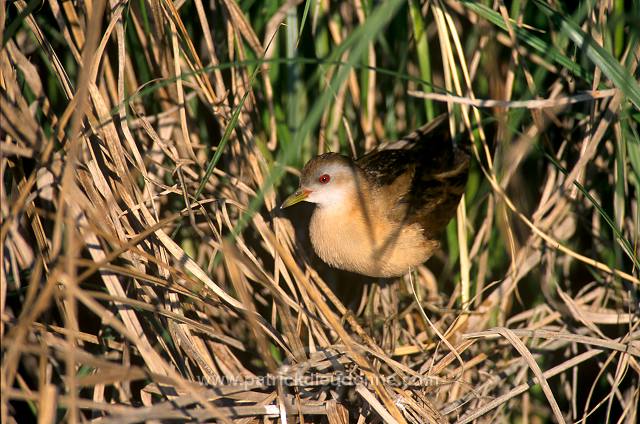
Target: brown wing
[(423, 175)]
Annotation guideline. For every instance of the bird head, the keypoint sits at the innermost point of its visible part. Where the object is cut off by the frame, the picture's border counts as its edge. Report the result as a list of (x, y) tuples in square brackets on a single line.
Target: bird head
[(327, 180)]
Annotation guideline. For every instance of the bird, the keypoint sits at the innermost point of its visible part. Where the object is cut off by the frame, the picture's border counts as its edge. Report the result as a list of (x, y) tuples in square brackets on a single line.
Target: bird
[(381, 215)]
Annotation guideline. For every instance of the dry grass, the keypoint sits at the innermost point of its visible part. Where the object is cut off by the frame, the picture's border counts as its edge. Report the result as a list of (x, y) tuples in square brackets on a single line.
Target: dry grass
[(146, 274)]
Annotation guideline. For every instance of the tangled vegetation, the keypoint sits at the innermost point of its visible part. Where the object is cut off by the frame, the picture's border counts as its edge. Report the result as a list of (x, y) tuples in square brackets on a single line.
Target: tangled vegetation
[(147, 273)]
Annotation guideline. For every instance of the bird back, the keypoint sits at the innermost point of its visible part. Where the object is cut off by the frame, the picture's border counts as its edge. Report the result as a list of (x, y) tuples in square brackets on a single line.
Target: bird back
[(422, 175)]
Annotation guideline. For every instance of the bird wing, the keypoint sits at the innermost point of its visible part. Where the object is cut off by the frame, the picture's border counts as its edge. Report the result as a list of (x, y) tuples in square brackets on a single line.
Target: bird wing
[(421, 176)]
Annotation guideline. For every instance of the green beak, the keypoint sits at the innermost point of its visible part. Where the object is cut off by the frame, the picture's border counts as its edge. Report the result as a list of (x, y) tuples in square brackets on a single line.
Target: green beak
[(297, 197)]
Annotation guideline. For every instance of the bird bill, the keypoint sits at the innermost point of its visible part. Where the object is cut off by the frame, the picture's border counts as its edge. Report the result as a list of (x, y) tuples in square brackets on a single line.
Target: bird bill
[(297, 197)]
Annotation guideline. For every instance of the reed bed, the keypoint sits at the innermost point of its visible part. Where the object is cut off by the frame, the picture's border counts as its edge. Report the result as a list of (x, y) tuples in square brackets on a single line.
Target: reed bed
[(148, 275)]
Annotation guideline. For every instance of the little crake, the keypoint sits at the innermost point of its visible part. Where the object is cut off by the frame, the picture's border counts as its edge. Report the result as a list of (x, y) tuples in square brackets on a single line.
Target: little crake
[(382, 214)]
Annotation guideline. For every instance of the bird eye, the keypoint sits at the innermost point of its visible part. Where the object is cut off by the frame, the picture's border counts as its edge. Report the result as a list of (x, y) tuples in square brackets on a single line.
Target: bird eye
[(324, 178)]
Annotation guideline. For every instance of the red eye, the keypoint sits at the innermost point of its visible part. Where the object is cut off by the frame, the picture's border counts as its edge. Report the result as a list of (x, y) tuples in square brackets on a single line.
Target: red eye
[(324, 178)]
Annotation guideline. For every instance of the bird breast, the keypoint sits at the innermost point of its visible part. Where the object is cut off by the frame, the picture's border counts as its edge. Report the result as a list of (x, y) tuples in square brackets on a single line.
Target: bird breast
[(366, 242)]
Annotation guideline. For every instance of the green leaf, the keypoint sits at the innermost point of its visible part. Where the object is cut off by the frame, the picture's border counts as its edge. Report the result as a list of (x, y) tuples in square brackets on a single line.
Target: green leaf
[(356, 44), (524, 35), (604, 60)]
